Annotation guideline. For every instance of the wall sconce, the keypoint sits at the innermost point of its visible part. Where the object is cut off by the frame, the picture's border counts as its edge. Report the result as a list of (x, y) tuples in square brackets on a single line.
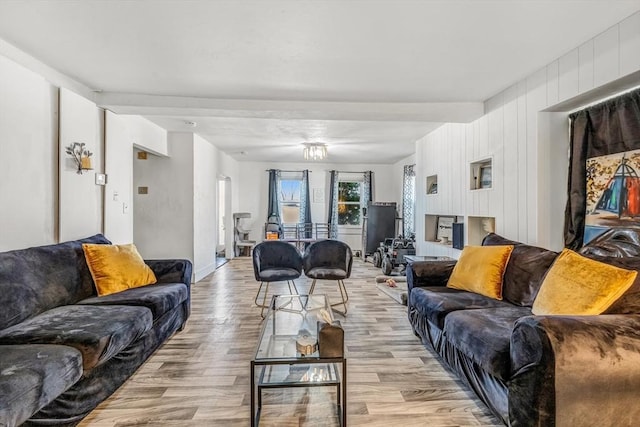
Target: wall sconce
[(80, 155)]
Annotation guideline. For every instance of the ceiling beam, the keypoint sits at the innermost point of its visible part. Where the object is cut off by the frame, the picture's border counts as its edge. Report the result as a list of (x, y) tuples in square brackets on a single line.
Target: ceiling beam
[(154, 105)]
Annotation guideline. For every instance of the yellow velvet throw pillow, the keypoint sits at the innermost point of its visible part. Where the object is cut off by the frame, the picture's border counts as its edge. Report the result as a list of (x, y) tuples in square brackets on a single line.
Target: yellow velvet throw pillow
[(116, 268), (480, 269), (576, 285)]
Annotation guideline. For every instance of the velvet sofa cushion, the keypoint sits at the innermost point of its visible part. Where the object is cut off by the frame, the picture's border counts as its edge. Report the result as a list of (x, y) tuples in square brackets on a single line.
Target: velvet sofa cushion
[(436, 302), (37, 279), (480, 269), (525, 270), (325, 273), (159, 298), (278, 274), (484, 336), (116, 268), (576, 285), (98, 332), (33, 375)]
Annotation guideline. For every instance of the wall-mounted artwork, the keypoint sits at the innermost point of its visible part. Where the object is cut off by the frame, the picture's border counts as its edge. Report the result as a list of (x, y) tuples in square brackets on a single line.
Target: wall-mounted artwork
[(613, 191)]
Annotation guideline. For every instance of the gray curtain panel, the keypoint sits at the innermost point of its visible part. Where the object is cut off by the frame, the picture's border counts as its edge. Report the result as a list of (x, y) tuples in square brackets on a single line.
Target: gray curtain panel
[(273, 214), (305, 203), (408, 200), (607, 128), (333, 205)]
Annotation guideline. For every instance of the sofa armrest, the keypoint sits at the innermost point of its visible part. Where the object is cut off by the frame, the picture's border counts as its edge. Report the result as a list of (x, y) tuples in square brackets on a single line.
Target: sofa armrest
[(171, 270), (575, 370), (428, 273)]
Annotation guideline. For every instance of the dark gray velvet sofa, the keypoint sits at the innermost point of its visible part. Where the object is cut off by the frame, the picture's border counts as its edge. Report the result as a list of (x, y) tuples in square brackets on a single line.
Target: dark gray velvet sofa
[(536, 370), (63, 350)]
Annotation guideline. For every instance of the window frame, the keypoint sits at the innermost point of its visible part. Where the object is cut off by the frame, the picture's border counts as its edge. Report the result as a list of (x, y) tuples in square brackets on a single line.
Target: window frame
[(360, 183), (291, 177)]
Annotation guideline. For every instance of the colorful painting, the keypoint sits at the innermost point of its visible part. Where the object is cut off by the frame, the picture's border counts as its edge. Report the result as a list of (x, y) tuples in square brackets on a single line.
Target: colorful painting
[(613, 190)]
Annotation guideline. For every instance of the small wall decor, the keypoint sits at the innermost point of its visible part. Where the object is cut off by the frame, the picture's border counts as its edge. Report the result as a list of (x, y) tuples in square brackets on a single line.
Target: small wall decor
[(445, 228), (318, 195), (81, 155), (485, 176), (480, 174)]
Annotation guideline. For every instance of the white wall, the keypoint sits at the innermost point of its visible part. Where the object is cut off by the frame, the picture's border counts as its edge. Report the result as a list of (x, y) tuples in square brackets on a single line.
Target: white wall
[(163, 218), (205, 218), (528, 147), (28, 158), (80, 199), (178, 216), (147, 135), (254, 181), (122, 132), (118, 201)]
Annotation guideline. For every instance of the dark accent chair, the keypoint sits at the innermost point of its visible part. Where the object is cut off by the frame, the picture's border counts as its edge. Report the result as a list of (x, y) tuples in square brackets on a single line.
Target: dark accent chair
[(329, 260), (275, 261)]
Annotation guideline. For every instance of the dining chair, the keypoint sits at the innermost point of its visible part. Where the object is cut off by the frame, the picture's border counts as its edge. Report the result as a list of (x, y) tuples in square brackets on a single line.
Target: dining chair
[(275, 261), (329, 260)]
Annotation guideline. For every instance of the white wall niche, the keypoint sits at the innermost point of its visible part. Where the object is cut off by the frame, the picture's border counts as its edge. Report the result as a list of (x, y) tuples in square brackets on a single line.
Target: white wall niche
[(478, 227)]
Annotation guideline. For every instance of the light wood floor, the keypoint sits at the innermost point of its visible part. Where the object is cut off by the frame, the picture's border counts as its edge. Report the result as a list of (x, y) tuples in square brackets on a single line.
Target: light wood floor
[(200, 377)]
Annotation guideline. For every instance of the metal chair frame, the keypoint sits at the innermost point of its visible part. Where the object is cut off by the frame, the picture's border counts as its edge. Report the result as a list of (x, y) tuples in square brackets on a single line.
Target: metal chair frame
[(344, 295), (266, 291)]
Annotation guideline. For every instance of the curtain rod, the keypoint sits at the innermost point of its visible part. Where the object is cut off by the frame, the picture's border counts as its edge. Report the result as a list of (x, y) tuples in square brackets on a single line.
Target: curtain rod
[(280, 170), (352, 171)]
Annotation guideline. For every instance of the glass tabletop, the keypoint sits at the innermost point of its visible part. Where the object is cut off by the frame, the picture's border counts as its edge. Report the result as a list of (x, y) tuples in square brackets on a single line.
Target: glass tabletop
[(290, 327)]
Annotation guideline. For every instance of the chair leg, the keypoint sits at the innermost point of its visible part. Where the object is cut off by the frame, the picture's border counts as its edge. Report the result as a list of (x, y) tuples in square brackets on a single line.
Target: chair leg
[(344, 296), (264, 301), (294, 287), (258, 294), (313, 286)]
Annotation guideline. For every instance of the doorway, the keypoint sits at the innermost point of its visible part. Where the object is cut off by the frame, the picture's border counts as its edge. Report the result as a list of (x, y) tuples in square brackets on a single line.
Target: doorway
[(223, 253)]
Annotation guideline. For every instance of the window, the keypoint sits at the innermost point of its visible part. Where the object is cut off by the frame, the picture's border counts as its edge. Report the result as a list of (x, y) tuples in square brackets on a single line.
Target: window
[(349, 195), (290, 199)]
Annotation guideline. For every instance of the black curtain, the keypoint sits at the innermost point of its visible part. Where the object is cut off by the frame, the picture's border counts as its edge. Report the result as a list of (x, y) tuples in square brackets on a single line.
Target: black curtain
[(273, 213), (607, 128)]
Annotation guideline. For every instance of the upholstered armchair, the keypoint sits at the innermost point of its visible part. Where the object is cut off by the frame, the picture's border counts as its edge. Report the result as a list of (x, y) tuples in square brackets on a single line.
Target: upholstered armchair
[(275, 261), (329, 260)]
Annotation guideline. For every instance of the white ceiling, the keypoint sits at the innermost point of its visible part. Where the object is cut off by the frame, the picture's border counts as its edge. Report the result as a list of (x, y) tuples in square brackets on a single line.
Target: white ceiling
[(262, 77)]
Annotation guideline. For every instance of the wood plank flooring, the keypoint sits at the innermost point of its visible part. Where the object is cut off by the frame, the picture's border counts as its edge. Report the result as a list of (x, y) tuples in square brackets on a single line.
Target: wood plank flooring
[(200, 377)]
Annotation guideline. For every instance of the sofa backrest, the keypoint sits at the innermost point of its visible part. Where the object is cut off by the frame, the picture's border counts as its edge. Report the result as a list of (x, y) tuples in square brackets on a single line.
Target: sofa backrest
[(525, 271), (37, 279), (619, 247)]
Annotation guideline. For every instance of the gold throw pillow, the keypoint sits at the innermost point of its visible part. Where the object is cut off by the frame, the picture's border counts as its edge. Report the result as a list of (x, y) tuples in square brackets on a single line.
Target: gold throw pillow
[(116, 268), (576, 285), (480, 270)]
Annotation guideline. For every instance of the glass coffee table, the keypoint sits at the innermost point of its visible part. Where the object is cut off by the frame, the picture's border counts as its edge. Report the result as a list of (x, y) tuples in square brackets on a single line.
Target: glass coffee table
[(287, 353)]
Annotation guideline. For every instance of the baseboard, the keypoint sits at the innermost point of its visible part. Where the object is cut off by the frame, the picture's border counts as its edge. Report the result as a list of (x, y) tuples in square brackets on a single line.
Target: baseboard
[(201, 273)]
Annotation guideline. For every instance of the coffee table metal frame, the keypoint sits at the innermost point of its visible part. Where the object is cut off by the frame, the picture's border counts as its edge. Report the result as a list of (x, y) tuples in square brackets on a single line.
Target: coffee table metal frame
[(297, 305)]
